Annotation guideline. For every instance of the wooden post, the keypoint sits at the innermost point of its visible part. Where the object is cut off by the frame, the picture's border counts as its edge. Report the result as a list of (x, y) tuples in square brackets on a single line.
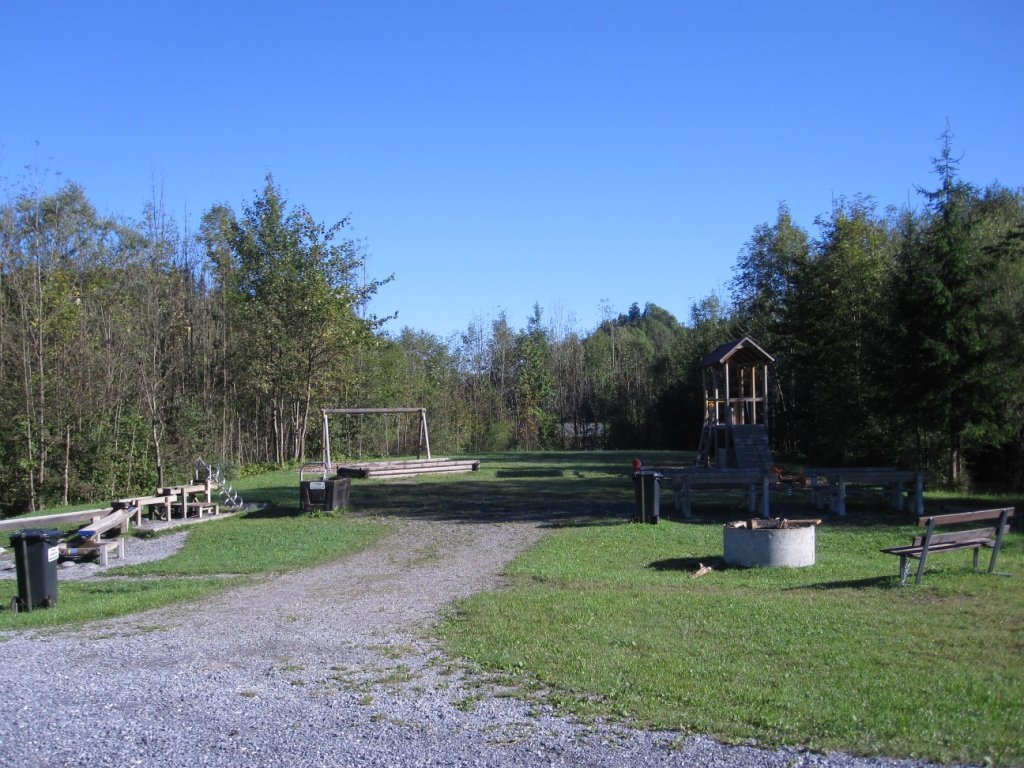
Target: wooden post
[(1003, 520), (425, 433), (728, 398), (924, 550), (327, 439), (753, 395), (764, 405)]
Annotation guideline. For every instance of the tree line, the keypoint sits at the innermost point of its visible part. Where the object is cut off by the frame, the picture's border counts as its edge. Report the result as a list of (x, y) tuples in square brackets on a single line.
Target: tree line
[(128, 347)]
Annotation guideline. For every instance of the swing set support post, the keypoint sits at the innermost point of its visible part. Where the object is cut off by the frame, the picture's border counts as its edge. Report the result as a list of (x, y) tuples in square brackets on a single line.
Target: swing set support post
[(424, 436)]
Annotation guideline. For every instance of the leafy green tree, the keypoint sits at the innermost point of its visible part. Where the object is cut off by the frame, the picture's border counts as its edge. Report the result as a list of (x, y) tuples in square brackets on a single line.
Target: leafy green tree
[(999, 453), (502, 368), (536, 425), (945, 365), (572, 394), (834, 317), (295, 297), (763, 290), (632, 360), (763, 277), (482, 407)]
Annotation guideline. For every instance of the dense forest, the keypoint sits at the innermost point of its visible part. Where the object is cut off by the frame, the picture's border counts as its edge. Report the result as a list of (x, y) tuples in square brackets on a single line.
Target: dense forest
[(128, 345)]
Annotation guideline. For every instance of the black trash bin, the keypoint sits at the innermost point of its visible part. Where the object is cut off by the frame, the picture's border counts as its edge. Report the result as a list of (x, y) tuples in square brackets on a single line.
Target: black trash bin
[(647, 493), (324, 495), (35, 559)]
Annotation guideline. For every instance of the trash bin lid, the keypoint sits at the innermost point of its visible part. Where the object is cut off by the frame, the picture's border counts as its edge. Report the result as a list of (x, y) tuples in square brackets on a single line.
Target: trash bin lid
[(30, 535)]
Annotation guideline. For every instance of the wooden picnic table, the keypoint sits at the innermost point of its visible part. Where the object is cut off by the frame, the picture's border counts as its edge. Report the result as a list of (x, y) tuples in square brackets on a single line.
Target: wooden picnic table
[(139, 503), (686, 480), (891, 481)]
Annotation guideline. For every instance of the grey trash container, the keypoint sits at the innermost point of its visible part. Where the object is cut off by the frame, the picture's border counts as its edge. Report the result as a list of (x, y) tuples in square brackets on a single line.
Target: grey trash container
[(647, 494), (35, 559), (324, 495)]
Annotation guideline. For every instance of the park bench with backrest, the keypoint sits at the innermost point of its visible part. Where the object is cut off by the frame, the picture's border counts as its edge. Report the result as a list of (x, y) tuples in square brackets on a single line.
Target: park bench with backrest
[(934, 542)]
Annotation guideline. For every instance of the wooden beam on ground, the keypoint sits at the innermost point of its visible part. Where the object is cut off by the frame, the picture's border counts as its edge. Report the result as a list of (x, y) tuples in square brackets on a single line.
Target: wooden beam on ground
[(44, 521), (411, 468)]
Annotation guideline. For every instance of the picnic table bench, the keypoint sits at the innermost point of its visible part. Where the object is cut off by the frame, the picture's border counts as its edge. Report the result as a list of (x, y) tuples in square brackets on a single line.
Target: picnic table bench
[(935, 543)]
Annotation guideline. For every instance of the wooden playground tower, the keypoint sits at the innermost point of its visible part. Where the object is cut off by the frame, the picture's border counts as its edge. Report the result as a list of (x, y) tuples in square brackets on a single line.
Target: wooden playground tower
[(735, 432)]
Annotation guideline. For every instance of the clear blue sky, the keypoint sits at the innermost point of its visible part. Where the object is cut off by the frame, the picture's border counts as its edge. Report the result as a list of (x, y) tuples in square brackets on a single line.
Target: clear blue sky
[(494, 155)]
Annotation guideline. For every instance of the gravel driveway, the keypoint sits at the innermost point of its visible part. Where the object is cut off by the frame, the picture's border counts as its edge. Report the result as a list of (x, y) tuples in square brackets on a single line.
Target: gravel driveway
[(325, 667)]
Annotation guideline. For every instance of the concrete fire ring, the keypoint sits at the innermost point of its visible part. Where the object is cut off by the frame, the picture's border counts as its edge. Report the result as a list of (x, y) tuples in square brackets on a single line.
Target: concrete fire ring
[(770, 547)]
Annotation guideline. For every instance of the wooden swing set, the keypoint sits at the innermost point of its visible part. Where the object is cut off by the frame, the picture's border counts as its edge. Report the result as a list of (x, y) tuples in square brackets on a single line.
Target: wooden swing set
[(403, 468)]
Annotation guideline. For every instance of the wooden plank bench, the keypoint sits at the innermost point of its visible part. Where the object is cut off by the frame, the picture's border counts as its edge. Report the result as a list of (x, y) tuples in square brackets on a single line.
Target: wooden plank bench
[(936, 543), (199, 508)]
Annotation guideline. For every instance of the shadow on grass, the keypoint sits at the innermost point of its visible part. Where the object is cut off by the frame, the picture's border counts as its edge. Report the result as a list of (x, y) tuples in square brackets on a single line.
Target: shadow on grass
[(611, 462), (556, 489), (510, 473), (872, 582), (555, 501), (689, 564), (274, 512)]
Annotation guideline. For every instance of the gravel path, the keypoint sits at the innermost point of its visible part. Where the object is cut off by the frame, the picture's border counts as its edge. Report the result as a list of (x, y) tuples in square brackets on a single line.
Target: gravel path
[(325, 667)]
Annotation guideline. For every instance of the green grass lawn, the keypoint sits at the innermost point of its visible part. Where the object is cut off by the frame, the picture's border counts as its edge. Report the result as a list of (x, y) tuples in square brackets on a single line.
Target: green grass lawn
[(834, 656), (605, 615), (217, 554)]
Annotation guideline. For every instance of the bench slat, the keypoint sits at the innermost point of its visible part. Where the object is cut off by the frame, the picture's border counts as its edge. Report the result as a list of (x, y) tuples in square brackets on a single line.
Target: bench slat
[(957, 518), (971, 535)]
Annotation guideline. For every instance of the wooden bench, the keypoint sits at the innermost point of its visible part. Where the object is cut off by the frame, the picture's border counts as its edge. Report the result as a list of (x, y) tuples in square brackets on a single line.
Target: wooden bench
[(936, 543), (200, 508)]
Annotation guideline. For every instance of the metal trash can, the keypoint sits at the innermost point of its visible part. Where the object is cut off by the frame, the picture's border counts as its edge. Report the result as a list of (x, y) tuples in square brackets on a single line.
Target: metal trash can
[(324, 495), (647, 494), (35, 559)]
